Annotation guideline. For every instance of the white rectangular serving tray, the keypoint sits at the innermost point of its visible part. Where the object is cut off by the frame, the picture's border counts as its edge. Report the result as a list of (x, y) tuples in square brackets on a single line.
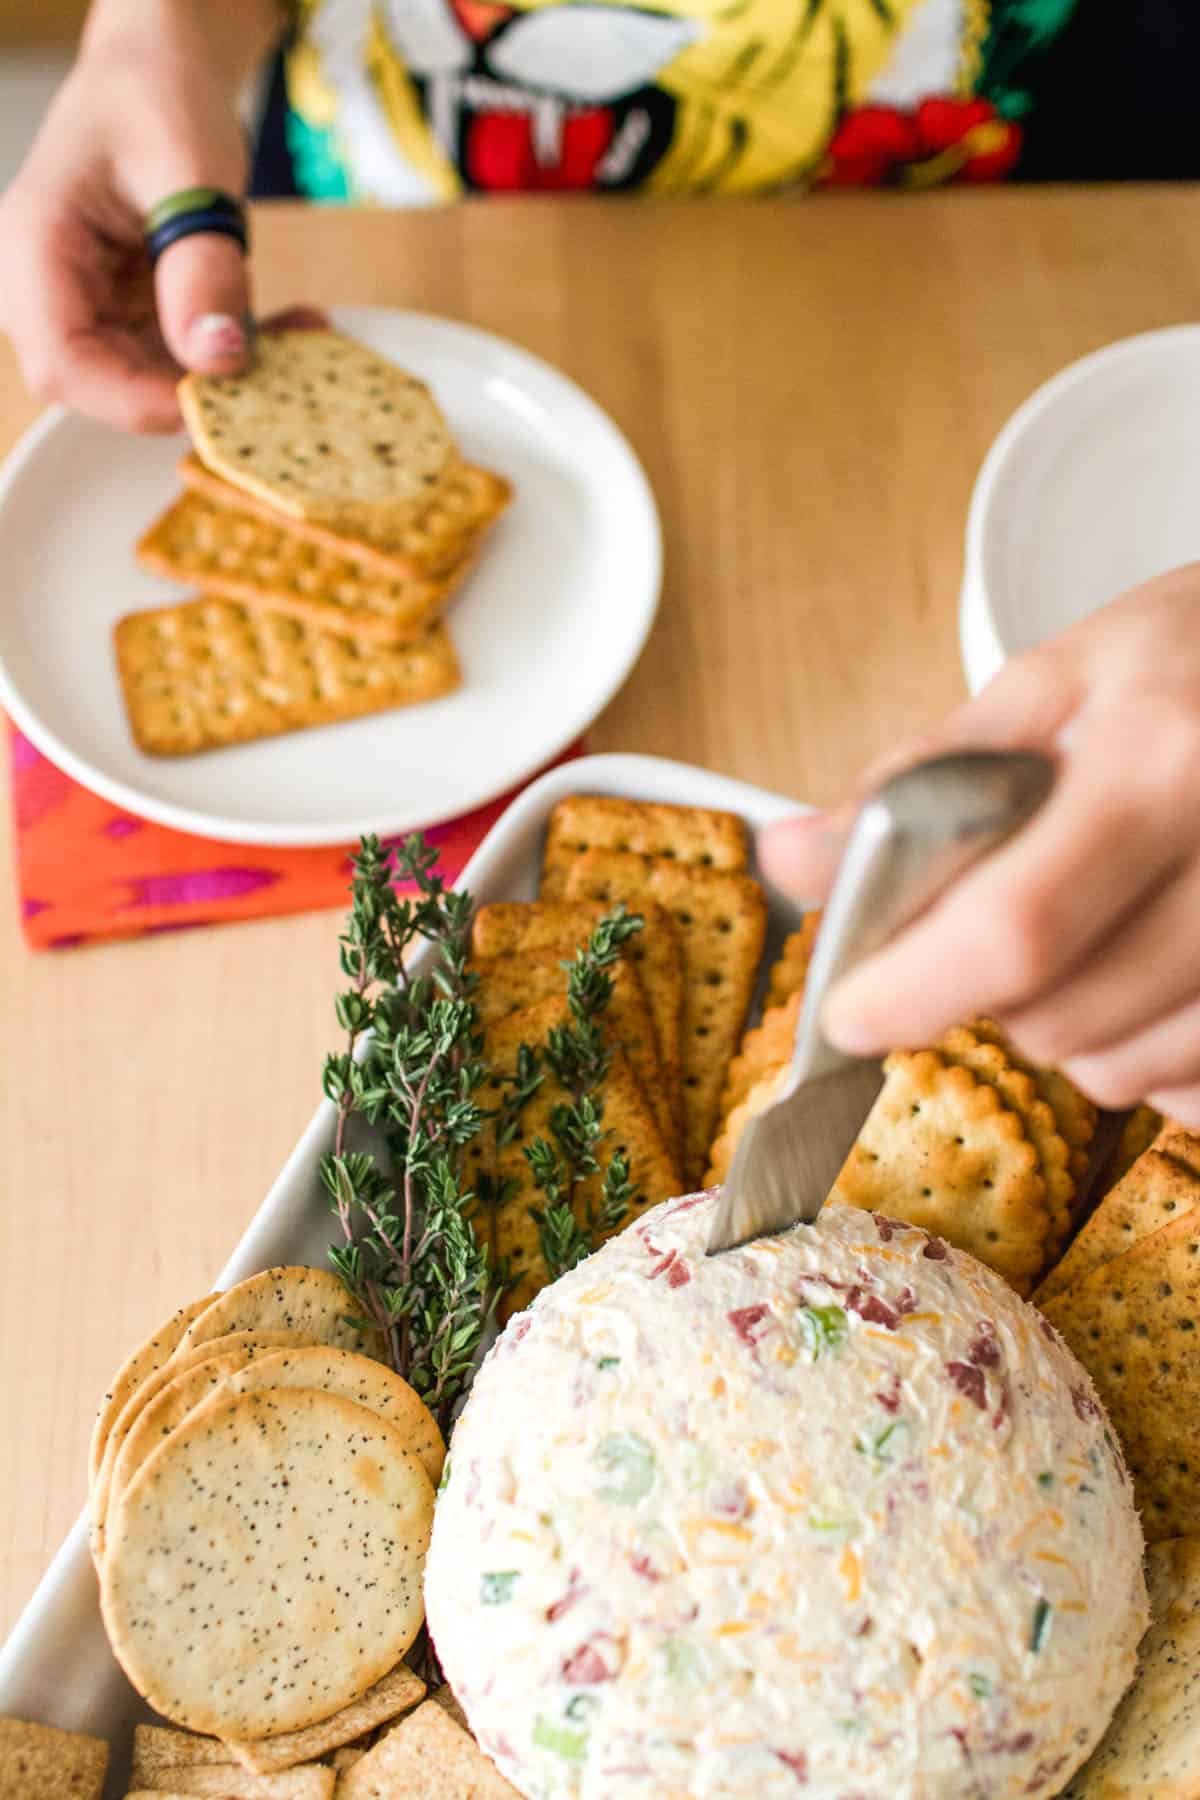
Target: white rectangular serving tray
[(56, 1667)]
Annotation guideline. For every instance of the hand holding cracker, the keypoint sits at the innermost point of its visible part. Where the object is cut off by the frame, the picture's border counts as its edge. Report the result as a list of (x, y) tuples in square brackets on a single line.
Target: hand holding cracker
[(1078, 936)]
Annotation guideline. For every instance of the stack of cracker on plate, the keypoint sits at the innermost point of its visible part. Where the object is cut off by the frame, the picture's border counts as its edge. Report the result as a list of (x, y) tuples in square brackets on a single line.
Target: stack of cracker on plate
[(262, 1492), (327, 521), (966, 1139), (679, 1000)]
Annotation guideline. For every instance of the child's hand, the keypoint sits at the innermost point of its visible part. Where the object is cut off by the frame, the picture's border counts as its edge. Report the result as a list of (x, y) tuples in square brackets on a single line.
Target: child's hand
[(148, 109), (1083, 933)]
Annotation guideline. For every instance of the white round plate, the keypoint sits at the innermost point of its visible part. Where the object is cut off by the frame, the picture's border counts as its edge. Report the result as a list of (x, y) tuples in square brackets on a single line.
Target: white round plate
[(547, 627), (1088, 489)]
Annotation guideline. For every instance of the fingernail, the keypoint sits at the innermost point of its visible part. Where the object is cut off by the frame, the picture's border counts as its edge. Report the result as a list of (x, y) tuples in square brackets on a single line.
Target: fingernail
[(217, 334)]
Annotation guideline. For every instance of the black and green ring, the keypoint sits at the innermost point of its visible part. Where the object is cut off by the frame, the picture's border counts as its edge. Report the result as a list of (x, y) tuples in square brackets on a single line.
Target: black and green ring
[(190, 212)]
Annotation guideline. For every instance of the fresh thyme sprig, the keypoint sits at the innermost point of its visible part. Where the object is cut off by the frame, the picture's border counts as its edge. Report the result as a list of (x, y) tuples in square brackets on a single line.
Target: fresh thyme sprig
[(579, 1057), (410, 1255)]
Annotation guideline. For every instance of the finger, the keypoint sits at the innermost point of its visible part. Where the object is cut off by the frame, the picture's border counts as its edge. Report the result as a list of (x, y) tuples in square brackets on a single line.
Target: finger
[(203, 291), (1022, 920), (1164, 1057), (1025, 707), (108, 380), (1181, 1104), (1141, 973)]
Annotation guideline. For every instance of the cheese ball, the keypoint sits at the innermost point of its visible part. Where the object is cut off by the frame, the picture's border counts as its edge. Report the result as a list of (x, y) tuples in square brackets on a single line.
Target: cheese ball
[(835, 1514)]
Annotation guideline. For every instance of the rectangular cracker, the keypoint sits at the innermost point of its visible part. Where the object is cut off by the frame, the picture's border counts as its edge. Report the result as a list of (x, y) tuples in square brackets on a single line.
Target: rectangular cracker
[(722, 919), (397, 1693), (1150, 1194), (159, 1750), (509, 983), (627, 1117), (1134, 1324), (463, 506), (40, 1762), (229, 1781), (426, 1757), (262, 565), (509, 928), (687, 834), (208, 673)]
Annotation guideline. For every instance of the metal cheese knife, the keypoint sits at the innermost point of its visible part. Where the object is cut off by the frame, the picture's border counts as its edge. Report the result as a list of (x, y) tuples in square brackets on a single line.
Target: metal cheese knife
[(911, 839)]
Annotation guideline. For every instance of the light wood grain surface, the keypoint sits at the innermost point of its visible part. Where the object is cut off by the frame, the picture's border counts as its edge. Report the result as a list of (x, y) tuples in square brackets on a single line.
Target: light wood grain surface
[(812, 386)]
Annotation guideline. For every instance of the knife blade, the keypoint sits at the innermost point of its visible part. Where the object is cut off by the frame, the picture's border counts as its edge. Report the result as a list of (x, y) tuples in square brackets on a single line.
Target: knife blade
[(914, 836)]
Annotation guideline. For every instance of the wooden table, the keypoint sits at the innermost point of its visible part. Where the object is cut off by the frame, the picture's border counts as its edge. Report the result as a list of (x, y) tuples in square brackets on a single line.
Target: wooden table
[(811, 386)]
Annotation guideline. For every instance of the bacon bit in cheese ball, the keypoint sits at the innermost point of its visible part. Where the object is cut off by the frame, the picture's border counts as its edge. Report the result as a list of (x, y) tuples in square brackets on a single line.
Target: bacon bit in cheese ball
[(836, 1512)]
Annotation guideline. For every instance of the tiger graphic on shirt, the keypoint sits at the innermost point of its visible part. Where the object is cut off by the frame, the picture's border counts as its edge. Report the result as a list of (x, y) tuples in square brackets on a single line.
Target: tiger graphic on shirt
[(409, 101)]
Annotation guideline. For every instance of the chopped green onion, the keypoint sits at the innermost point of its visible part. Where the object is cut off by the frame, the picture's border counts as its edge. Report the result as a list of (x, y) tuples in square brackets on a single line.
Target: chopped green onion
[(570, 1745), (1045, 1480), (823, 1328), (980, 1685), (1043, 1613), (631, 1459), (495, 1589)]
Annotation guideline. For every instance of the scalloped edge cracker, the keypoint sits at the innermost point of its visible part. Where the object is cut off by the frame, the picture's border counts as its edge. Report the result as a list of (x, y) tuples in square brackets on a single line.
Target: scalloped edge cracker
[(789, 971), (940, 1150)]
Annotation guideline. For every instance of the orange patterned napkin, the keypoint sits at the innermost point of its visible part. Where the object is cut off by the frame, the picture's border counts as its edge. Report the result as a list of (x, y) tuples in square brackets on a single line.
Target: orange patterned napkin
[(87, 871)]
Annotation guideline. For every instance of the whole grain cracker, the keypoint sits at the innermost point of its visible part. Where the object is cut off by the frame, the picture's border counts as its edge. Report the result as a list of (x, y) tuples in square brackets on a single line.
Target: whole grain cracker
[(721, 917), (509, 983), (426, 1757), (231, 1782), (361, 1379), (159, 1750), (760, 1096), (1151, 1750), (182, 1358), (790, 971), (322, 428), (261, 565), (1074, 1113), (141, 1362), (463, 506), (291, 1297), (1138, 1132), (941, 1150), (40, 1762), (444, 1696), (397, 1693), (208, 673), (1018, 1091), (508, 928), (1150, 1194), (1133, 1324), (263, 1569), (628, 1123), (687, 834)]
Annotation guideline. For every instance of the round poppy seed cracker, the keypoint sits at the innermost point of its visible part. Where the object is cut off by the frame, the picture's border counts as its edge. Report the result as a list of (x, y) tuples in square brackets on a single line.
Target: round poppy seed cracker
[(321, 427), (181, 1359), (157, 1420), (1018, 1090), (264, 1566), (941, 1150), (358, 1378), (133, 1371), (292, 1297)]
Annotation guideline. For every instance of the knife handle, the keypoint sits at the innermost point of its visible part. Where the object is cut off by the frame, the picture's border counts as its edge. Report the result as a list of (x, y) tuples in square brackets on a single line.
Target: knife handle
[(914, 836)]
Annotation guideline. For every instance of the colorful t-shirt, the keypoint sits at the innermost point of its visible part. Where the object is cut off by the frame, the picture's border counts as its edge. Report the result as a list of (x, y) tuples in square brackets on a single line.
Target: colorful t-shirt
[(410, 101)]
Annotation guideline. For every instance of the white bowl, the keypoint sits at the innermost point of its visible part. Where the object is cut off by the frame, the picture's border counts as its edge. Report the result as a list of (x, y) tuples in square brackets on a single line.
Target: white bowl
[(1092, 486)]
